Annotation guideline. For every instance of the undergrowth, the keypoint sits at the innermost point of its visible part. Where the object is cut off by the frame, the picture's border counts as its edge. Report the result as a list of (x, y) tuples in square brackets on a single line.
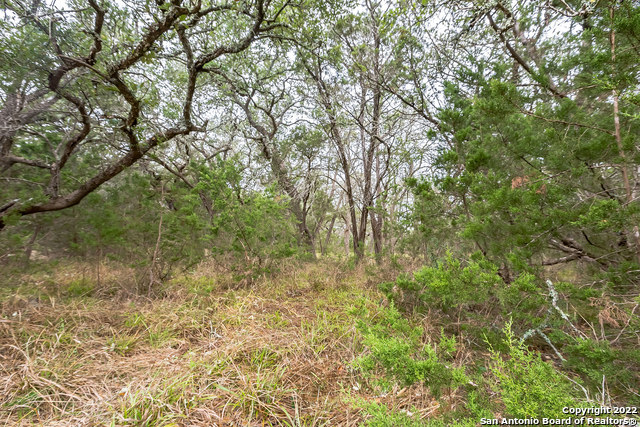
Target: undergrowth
[(314, 344)]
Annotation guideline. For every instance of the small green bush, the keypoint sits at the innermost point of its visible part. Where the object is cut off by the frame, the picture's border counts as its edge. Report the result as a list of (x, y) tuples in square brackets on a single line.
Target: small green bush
[(448, 285), (397, 349), (529, 387)]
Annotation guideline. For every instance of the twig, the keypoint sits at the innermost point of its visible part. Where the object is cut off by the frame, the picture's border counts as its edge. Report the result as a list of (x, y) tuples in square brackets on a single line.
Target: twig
[(554, 305)]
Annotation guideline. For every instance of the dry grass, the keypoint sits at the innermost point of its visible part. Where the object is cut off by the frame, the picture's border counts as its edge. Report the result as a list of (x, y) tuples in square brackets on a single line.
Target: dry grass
[(202, 352)]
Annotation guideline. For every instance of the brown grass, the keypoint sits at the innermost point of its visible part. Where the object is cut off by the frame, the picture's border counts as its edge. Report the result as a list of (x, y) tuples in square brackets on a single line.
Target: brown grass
[(201, 352)]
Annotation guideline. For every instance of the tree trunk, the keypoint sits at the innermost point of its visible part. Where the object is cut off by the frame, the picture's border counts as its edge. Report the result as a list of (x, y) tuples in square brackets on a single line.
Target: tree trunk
[(29, 248), (618, 137), (327, 239)]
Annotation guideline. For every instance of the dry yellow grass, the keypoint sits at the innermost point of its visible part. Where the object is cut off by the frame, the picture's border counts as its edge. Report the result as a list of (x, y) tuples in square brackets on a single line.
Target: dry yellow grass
[(199, 353)]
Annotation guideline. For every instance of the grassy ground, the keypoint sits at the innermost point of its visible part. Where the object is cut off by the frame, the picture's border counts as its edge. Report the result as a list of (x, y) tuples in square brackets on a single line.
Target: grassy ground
[(196, 352), (305, 345)]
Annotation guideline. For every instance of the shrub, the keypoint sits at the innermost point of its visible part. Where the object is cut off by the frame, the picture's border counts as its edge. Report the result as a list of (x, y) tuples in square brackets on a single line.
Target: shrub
[(597, 361), (529, 387), (397, 349), (448, 285)]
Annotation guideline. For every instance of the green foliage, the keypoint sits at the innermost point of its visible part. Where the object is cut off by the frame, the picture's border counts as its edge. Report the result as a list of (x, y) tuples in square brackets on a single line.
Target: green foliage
[(122, 344), (593, 359), (523, 170), (264, 357), (449, 285), (277, 321), (396, 348), (160, 335), (447, 345), (597, 361), (26, 403), (379, 415), (253, 224), (522, 299), (529, 387), (80, 288), (199, 286)]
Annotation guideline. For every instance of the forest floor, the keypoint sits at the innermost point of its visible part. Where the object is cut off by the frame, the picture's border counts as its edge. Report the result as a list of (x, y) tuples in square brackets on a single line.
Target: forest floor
[(203, 350)]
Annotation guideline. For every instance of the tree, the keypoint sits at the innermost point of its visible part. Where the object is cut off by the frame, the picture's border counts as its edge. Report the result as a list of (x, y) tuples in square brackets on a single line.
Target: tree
[(269, 98), (97, 99), (541, 141), (368, 127)]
